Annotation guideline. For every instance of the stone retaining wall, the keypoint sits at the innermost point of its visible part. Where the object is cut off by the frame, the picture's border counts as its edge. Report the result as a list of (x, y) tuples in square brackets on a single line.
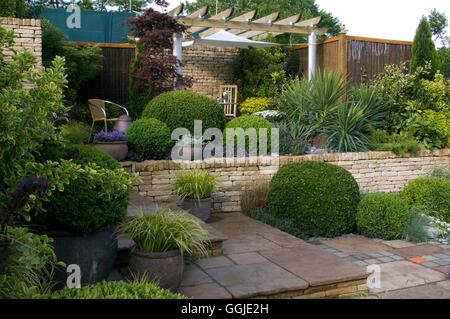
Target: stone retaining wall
[(27, 35), (374, 172)]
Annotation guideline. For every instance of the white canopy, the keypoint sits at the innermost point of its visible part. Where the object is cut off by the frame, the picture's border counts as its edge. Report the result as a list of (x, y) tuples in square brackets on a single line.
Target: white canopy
[(223, 38)]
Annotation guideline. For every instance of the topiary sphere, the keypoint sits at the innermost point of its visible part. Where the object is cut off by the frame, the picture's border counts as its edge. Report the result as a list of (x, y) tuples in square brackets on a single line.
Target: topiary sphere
[(179, 109), (319, 198), (247, 122), (382, 216), (149, 138), (429, 192)]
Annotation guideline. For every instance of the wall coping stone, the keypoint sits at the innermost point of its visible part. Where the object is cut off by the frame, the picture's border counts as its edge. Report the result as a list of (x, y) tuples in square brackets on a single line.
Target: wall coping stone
[(159, 165)]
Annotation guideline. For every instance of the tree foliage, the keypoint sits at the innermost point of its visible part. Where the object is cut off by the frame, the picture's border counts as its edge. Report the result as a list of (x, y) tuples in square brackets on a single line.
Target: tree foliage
[(424, 50), (438, 22), (28, 114), (82, 63), (155, 69)]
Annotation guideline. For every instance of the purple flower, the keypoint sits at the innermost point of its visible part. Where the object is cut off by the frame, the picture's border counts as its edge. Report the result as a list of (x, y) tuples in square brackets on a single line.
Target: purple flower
[(114, 136), (29, 185)]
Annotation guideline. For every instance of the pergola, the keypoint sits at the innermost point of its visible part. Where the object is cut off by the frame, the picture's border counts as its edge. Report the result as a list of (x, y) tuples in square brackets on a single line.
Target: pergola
[(246, 26)]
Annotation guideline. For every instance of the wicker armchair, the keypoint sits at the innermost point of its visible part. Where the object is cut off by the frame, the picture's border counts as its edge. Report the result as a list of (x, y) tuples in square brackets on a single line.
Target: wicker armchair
[(98, 112)]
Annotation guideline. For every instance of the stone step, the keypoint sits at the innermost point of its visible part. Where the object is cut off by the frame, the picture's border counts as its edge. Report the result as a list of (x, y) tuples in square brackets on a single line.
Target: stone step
[(139, 203)]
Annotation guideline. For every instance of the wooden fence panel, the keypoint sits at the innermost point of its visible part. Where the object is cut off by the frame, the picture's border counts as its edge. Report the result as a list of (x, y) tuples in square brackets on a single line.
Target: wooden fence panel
[(360, 58), (367, 58), (112, 83)]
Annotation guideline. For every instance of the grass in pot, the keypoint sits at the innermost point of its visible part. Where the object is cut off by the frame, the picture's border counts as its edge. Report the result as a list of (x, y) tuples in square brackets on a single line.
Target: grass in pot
[(161, 240), (114, 143), (195, 188)]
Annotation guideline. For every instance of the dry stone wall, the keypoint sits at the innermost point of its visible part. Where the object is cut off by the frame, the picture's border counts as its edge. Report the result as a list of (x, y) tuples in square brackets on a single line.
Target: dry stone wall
[(27, 35), (209, 68), (374, 172)]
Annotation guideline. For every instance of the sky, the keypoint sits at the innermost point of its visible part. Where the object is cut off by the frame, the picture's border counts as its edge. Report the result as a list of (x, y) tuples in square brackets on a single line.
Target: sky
[(387, 19)]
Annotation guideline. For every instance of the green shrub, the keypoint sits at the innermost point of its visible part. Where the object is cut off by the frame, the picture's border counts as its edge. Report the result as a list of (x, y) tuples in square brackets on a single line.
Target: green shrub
[(76, 132), (194, 184), (441, 172), (94, 197), (82, 155), (382, 216), (248, 122), (260, 72), (150, 138), (166, 230), (400, 144), (179, 109), (255, 104), (29, 267), (320, 198), (429, 192), (137, 289), (415, 229), (294, 138)]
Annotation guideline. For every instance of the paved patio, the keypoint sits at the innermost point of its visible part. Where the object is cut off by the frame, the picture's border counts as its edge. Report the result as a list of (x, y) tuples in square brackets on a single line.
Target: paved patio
[(407, 270), (261, 261), (256, 260)]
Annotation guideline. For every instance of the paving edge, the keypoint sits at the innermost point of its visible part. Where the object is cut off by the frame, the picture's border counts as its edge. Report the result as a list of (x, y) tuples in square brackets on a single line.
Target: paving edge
[(344, 289)]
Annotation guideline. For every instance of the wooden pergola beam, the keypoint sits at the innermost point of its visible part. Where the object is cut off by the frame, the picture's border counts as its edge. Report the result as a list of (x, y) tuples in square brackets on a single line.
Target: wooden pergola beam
[(199, 14), (304, 23), (267, 19), (220, 16), (248, 16), (176, 11), (288, 21), (310, 22), (251, 26)]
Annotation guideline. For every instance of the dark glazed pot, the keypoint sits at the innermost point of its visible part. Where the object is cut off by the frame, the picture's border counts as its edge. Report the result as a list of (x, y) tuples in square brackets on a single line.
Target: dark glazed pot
[(118, 150), (94, 253), (200, 209), (164, 268)]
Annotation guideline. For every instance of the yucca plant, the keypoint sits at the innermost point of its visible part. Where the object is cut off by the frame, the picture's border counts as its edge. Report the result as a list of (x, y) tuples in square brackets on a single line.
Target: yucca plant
[(194, 184), (166, 230), (350, 126)]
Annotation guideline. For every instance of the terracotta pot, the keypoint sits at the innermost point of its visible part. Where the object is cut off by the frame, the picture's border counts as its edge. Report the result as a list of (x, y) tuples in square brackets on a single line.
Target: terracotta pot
[(118, 150), (94, 253), (123, 123), (200, 209), (164, 268)]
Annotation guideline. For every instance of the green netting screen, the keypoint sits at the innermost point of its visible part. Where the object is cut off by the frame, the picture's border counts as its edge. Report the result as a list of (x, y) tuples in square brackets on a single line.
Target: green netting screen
[(94, 26)]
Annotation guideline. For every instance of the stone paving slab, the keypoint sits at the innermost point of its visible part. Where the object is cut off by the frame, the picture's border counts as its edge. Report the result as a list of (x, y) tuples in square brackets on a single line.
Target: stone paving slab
[(193, 275), (214, 262), (403, 274), (398, 243), (206, 291), (314, 265), (354, 245), (439, 290), (247, 243), (418, 250), (244, 281), (247, 258)]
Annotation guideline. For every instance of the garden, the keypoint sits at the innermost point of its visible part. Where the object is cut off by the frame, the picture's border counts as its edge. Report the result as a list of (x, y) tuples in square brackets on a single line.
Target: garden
[(64, 193)]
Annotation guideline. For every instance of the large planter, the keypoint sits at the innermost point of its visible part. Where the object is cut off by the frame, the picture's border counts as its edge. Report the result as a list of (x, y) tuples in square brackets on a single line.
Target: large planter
[(118, 150), (95, 254), (199, 208), (165, 268)]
